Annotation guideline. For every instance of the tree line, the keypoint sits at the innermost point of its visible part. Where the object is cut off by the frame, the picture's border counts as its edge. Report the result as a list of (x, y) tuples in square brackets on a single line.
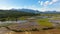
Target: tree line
[(5, 14)]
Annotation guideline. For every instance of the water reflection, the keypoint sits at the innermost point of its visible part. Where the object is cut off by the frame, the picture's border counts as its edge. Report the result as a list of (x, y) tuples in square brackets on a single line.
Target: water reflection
[(19, 21)]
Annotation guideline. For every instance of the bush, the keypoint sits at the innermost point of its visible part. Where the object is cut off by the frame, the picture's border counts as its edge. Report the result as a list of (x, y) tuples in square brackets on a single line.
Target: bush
[(17, 30), (48, 28), (2, 20), (35, 29)]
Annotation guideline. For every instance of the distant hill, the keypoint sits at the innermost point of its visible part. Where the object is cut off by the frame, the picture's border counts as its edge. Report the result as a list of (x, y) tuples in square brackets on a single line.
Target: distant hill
[(27, 10), (30, 10), (51, 12), (18, 12)]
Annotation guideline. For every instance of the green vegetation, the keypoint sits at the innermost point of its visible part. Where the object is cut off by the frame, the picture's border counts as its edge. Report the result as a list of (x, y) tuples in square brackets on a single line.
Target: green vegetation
[(13, 14), (48, 28), (44, 22), (22, 18), (35, 29), (49, 14)]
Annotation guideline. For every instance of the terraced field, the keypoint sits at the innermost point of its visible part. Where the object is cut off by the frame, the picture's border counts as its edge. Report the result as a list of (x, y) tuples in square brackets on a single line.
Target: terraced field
[(33, 26)]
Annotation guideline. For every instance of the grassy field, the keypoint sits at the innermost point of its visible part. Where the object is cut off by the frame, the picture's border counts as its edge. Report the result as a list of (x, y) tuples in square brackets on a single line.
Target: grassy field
[(27, 26), (44, 22)]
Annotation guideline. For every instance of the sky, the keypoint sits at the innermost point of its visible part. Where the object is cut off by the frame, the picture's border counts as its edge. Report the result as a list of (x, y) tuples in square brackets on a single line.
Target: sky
[(41, 5)]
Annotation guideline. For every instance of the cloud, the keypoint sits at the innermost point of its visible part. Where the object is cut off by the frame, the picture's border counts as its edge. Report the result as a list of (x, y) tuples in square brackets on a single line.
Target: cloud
[(40, 2), (46, 3), (53, 1)]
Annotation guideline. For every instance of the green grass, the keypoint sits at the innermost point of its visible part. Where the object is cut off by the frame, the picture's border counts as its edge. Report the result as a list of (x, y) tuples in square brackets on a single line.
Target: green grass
[(44, 22), (22, 18), (56, 18)]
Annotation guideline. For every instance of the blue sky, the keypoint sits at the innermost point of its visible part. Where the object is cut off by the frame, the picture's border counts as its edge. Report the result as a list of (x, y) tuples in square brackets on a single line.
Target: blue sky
[(42, 5)]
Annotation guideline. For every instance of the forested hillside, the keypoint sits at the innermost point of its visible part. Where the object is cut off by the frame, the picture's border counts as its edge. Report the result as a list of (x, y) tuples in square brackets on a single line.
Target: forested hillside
[(14, 14)]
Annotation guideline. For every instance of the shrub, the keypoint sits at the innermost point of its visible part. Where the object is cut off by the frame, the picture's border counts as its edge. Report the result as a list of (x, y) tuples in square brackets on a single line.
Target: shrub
[(35, 29), (48, 28), (17, 30)]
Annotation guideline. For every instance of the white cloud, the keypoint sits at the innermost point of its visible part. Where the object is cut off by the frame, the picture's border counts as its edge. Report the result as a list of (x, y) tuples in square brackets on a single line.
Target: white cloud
[(53, 1), (40, 2), (46, 3)]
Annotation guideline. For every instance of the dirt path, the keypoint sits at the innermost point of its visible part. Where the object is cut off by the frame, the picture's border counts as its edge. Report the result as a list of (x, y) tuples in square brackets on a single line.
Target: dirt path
[(27, 32), (47, 32)]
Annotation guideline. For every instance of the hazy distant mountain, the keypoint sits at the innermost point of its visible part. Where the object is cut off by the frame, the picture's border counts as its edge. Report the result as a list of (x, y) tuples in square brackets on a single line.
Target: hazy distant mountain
[(36, 11), (51, 12), (29, 10)]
